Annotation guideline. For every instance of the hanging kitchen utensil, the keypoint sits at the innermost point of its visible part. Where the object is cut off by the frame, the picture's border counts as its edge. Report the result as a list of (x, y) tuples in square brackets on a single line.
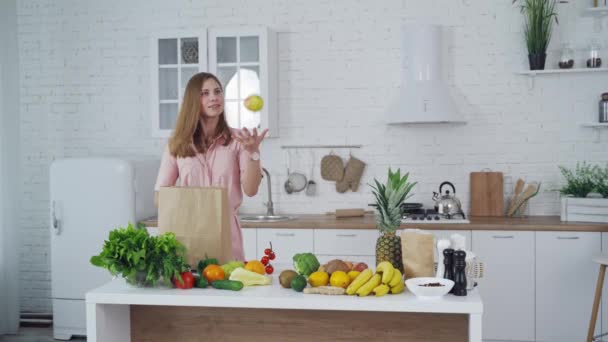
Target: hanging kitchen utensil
[(332, 167), (342, 186), (288, 186), (298, 180), (353, 172), (311, 187)]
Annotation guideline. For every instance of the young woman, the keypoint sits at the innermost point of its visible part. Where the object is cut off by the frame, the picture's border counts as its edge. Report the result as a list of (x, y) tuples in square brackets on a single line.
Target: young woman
[(204, 151)]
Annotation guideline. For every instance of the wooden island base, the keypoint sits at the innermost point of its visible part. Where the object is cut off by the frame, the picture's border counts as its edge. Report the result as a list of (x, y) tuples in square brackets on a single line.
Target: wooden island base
[(183, 323)]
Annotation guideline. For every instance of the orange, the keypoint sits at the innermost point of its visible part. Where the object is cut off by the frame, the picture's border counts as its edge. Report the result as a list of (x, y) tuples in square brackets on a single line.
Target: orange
[(339, 279), (255, 266), (213, 273)]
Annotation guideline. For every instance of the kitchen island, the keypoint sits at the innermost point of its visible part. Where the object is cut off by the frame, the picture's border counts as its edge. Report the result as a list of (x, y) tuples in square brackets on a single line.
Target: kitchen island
[(117, 311)]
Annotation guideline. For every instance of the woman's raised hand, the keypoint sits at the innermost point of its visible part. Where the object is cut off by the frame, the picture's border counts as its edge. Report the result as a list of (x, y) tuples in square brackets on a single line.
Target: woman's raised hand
[(251, 142)]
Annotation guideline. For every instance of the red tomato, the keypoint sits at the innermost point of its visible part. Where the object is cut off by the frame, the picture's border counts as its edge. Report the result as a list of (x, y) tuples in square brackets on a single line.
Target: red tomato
[(265, 260), (271, 256), (269, 269), (267, 251), (188, 281)]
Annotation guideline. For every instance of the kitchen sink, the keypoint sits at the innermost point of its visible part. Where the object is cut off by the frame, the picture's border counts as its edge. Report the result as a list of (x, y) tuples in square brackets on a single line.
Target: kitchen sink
[(266, 218)]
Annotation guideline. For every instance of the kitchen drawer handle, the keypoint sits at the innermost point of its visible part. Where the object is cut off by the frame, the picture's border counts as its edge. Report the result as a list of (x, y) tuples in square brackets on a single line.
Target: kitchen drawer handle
[(346, 235), (503, 236), (567, 237), (286, 234)]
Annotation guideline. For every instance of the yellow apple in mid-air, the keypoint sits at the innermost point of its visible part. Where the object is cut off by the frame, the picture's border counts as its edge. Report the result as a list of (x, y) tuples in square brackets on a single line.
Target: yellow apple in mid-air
[(254, 103)]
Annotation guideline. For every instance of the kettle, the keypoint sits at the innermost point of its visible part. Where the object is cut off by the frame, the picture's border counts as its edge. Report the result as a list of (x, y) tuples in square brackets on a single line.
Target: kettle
[(447, 204)]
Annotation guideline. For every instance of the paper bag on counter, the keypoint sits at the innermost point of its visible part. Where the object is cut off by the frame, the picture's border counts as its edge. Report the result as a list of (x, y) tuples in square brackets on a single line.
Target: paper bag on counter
[(418, 256), (200, 219)]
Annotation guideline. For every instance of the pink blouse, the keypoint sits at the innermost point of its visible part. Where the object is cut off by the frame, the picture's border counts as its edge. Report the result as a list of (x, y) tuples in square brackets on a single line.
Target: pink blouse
[(222, 166)]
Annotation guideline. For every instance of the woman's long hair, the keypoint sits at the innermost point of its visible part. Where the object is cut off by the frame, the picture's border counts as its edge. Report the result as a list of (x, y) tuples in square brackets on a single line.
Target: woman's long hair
[(188, 128)]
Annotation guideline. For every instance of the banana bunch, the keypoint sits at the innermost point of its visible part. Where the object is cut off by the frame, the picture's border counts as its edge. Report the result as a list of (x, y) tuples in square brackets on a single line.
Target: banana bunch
[(386, 279)]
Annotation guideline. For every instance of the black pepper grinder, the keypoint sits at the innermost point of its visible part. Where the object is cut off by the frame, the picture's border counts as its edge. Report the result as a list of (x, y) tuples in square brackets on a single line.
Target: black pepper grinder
[(460, 278), (448, 262)]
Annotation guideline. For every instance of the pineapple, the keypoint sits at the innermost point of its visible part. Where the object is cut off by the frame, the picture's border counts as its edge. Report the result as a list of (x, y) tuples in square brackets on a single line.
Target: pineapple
[(388, 201)]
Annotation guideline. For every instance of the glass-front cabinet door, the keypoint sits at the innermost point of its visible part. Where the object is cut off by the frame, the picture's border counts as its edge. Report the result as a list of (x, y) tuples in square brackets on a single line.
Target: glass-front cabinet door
[(174, 59), (245, 61)]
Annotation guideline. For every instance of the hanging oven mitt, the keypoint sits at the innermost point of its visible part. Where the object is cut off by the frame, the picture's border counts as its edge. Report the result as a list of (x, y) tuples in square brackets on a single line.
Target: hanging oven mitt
[(353, 172), (332, 168), (342, 186)]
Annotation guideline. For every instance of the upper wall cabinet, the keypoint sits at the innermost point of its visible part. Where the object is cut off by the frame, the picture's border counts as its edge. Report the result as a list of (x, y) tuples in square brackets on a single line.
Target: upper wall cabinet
[(175, 58), (245, 61)]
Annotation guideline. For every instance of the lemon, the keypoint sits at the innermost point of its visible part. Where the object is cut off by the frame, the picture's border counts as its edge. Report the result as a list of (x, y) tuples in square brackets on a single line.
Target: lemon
[(339, 279), (254, 103), (318, 278), (353, 275)]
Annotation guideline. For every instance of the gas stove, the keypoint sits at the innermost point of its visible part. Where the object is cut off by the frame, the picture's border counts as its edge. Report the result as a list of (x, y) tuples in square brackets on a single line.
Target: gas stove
[(429, 216)]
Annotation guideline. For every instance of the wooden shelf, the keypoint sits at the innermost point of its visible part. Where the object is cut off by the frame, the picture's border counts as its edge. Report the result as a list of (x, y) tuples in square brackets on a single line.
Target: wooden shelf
[(561, 71), (596, 11)]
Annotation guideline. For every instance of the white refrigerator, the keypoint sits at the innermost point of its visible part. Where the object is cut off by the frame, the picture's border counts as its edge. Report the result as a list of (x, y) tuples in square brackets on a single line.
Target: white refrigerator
[(89, 197)]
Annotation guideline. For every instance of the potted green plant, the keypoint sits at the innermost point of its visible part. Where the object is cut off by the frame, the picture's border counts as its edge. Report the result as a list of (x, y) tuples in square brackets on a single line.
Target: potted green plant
[(585, 194), (140, 258), (539, 16)]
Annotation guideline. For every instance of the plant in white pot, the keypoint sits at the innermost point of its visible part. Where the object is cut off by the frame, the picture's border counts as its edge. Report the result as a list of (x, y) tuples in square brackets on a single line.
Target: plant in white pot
[(585, 194)]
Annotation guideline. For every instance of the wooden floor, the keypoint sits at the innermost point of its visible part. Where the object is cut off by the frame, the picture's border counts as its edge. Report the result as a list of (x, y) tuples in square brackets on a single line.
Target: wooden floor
[(31, 334)]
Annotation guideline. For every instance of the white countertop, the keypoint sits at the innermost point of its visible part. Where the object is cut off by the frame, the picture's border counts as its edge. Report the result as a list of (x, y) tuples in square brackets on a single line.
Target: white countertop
[(276, 297)]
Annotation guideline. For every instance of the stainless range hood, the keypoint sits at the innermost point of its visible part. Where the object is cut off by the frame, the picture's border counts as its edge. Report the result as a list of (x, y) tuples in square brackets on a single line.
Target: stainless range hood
[(424, 97)]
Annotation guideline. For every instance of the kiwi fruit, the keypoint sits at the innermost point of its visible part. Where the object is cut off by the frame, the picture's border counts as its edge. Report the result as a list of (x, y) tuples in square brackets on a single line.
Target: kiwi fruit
[(286, 277)]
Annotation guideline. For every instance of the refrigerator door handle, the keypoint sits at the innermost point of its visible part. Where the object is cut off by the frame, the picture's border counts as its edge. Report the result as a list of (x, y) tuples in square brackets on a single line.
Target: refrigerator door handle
[(56, 221)]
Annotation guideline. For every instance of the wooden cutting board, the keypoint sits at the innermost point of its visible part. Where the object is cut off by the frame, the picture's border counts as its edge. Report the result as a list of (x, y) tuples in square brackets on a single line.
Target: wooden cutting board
[(487, 194)]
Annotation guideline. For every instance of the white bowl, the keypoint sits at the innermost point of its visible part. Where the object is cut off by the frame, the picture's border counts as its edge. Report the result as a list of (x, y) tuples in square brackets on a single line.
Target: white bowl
[(429, 292)]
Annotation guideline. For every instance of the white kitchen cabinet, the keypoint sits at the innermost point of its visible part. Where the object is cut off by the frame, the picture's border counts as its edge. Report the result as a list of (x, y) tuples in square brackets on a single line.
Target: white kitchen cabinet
[(285, 242), (565, 284), (507, 287), (175, 57), (250, 245), (354, 242), (245, 59)]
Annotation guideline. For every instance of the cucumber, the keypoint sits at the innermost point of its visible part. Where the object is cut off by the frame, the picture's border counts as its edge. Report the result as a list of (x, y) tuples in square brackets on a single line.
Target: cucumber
[(233, 285)]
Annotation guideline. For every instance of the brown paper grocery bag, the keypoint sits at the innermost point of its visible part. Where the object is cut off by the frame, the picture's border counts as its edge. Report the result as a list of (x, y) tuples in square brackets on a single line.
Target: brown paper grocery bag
[(200, 219), (418, 256)]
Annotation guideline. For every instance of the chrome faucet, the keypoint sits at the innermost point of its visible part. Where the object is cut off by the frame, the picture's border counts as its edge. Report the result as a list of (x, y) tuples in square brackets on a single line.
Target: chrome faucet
[(269, 205)]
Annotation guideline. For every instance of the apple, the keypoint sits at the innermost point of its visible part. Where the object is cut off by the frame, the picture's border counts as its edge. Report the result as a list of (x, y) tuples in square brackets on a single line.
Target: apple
[(361, 266)]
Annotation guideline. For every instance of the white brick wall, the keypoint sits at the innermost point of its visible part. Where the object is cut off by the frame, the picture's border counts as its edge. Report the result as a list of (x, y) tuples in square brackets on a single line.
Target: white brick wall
[(84, 91)]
